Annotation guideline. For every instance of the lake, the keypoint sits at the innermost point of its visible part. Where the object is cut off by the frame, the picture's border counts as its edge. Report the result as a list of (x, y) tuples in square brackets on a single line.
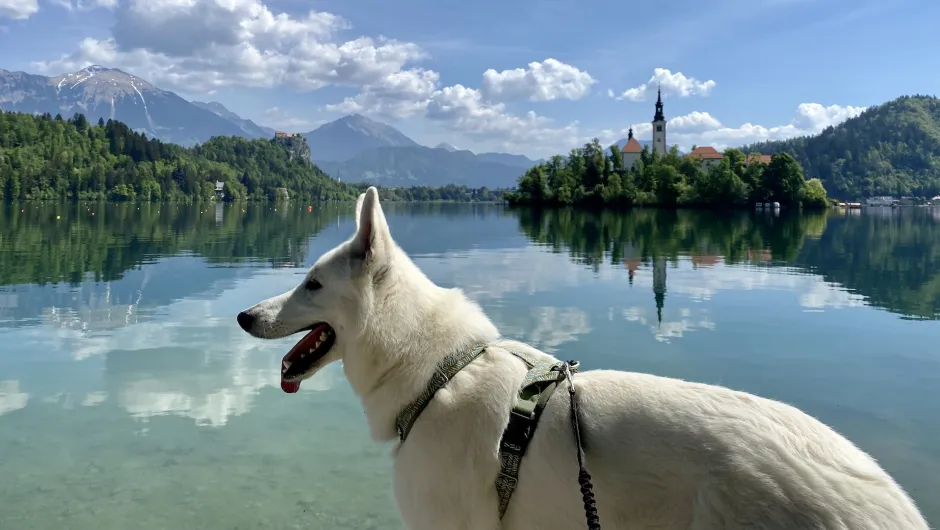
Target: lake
[(129, 397)]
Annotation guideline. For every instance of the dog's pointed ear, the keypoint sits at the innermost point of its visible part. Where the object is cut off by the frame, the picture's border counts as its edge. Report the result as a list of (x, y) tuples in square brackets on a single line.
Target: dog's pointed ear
[(372, 234), (359, 201)]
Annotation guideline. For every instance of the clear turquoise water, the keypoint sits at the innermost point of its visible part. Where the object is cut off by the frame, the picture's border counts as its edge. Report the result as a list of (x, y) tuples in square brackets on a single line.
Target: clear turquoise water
[(129, 398)]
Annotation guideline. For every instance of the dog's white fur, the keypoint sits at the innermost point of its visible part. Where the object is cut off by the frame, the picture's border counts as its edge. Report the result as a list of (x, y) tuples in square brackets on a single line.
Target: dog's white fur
[(665, 454)]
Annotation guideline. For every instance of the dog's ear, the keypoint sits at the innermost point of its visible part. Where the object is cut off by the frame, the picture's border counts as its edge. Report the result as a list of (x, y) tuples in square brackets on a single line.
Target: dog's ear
[(372, 235), (359, 201)]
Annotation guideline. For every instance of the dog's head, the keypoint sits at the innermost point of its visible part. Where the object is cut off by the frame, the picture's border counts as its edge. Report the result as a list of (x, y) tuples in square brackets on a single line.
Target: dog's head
[(335, 301)]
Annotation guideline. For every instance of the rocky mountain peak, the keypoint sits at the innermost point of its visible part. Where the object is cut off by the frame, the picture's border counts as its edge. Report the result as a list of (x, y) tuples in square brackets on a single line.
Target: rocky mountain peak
[(102, 82)]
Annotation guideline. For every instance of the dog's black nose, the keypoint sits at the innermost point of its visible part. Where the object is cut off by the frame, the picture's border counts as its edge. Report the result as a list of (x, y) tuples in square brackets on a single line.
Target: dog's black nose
[(245, 320)]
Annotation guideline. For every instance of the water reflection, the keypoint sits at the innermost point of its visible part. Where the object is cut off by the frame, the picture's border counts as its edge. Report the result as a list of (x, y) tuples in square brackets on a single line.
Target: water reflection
[(891, 261), (127, 352)]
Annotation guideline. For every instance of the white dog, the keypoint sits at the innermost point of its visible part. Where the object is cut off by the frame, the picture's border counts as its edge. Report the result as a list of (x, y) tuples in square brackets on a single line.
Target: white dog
[(665, 454)]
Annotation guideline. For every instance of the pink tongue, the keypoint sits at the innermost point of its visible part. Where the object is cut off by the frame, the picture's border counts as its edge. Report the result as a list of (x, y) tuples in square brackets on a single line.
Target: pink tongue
[(290, 386)]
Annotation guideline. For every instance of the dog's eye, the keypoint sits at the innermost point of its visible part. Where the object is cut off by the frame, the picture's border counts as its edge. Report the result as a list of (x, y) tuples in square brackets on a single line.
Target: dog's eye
[(312, 285)]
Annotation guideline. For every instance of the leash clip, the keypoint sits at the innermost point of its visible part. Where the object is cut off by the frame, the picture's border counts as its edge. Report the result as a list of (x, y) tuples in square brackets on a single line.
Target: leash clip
[(566, 369)]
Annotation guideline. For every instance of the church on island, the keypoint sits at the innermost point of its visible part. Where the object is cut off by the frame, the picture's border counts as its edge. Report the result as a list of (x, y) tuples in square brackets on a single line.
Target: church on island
[(706, 155)]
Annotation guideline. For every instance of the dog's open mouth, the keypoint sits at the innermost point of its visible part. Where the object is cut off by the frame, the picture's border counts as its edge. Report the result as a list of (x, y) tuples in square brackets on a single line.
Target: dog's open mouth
[(301, 358)]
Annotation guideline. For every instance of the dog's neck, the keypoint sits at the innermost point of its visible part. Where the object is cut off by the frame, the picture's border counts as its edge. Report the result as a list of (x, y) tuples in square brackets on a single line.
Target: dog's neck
[(421, 324)]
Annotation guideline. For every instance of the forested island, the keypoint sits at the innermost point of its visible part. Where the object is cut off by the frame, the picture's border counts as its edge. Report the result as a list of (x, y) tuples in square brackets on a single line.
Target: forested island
[(50, 158), (590, 177)]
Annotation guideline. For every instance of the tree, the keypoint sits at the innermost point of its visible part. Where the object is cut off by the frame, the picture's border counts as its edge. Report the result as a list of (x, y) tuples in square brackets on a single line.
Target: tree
[(814, 194), (783, 180)]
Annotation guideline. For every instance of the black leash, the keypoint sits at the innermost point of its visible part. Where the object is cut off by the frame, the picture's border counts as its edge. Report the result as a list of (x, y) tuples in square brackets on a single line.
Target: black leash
[(584, 478)]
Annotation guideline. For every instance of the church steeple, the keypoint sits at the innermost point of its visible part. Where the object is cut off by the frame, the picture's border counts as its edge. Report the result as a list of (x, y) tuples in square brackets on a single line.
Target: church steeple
[(659, 125), (629, 134), (659, 106)]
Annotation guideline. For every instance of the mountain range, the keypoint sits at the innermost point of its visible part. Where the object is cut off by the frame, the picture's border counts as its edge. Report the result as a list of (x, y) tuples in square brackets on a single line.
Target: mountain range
[(353, 148)]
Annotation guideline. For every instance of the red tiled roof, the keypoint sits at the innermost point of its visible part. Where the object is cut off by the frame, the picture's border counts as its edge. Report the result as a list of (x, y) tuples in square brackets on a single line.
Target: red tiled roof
[(761, 159), (706, 152), (632, 146)]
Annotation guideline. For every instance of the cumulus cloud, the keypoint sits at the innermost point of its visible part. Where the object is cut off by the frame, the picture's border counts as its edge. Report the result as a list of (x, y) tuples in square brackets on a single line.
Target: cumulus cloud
[(465, 110), (675, 84), (693, 121), (701, 128), (811, 118), (287, 121), (18, 9), (545, 81), (84, 5), (479, 113), (397, 95), (202, 45)]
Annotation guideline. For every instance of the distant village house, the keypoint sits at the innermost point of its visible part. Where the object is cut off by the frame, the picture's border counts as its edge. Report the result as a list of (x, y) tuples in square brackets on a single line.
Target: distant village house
[(709, 156)]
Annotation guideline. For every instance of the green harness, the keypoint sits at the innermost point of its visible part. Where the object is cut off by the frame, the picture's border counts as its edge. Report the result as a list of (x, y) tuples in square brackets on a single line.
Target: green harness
[(534, 392)]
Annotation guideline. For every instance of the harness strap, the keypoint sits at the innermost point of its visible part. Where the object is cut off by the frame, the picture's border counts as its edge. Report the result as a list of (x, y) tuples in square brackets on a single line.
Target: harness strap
[(446, 370), (534, 392), (536, 389)]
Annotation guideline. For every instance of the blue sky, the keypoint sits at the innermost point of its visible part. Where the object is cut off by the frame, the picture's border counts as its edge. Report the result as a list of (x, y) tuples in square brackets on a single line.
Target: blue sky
[(527, 77)]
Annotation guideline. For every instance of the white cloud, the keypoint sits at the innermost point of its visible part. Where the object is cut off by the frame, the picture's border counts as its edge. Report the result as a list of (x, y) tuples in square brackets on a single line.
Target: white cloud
[(202, 45), (398, 95), (692, 121), (701, 128), (465, 110), (18, 9), (811, 118), (480, 114), (85, 5), (545, 81), (676, 84), (284, 120)]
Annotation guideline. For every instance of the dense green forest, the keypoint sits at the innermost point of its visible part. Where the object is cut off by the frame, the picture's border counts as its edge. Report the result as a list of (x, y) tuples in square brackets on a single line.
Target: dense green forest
[(42, 157), (51, 158), (891, 149), (589, 176), (893, 262)]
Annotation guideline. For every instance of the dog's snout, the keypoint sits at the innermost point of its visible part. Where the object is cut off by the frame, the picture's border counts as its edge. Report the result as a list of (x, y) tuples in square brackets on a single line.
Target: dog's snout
[(245, 320)]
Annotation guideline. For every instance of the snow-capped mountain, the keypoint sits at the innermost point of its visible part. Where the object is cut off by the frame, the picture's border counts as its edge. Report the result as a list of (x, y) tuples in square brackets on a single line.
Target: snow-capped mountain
[(109, 93)]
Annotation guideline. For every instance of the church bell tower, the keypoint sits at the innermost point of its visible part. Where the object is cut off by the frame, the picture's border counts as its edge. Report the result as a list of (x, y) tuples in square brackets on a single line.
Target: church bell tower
[(659, 125)]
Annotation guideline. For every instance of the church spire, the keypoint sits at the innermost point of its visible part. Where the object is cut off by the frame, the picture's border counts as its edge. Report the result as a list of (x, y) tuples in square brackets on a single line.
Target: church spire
[(629, 133), (659, 105)]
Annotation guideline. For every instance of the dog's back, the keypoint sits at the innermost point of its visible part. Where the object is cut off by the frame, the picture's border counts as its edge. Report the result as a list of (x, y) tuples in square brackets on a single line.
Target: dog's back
[(671, 454)]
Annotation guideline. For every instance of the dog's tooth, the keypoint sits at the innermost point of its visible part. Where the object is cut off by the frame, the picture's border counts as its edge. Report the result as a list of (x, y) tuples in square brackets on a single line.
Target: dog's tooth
[(286, 364), (322, 336)]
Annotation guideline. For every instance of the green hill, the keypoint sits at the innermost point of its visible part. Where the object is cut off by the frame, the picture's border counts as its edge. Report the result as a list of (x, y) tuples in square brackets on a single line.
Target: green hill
[(891, 149), (42, 157)]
